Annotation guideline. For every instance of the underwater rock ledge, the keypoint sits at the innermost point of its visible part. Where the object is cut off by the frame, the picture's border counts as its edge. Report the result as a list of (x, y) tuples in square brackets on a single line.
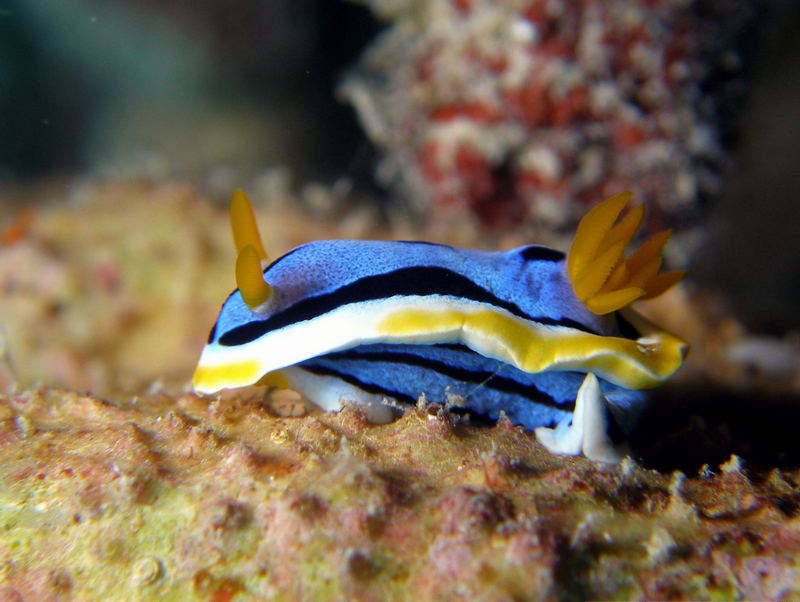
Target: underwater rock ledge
[(201, 498)]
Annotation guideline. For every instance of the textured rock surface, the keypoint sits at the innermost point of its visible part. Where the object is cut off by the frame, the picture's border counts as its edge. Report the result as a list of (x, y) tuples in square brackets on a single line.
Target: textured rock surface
[(197, 498)]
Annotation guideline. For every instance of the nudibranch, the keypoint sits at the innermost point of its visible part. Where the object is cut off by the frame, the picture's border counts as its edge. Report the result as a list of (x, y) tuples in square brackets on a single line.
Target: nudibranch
[(546, 338)]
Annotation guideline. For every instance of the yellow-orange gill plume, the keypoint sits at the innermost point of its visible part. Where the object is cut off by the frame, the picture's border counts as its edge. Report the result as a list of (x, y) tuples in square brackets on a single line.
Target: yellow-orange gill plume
[(250, 253), (602, 277)]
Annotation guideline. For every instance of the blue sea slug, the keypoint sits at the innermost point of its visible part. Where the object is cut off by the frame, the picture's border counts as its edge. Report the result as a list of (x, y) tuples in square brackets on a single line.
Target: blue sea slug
[(544, 337)]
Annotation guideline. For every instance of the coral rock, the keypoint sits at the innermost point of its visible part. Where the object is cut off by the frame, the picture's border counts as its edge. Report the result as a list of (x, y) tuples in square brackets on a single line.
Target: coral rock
[(144, 501)]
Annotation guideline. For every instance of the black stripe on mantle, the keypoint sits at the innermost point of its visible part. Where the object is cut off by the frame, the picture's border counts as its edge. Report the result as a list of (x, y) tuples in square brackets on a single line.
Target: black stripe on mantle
[(421, 280)]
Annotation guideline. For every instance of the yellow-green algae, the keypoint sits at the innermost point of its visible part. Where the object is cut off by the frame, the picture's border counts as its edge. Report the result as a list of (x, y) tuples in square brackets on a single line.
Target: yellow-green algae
[(198, 498)]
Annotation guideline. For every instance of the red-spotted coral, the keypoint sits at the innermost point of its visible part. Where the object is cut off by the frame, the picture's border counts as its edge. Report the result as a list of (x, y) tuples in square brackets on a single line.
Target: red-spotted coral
[(515, 110)]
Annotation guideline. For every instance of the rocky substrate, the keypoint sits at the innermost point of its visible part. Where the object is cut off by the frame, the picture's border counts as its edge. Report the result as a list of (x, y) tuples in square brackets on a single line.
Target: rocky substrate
[(180, 498)]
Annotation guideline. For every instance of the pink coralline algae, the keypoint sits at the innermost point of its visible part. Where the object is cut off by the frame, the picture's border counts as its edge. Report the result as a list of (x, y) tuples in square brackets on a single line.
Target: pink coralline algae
[(522, 110)]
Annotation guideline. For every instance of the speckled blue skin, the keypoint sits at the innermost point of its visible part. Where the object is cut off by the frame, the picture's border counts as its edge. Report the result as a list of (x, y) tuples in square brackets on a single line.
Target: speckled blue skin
[(532, 278), (539, 288)]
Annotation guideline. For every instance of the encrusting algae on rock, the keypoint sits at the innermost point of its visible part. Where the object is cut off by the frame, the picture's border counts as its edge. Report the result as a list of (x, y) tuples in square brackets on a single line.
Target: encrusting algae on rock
[(179, 499)]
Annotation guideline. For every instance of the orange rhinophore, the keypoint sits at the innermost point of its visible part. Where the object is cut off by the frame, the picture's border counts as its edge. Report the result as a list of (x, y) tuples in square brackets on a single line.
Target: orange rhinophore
[(602, 277), (249, 275)]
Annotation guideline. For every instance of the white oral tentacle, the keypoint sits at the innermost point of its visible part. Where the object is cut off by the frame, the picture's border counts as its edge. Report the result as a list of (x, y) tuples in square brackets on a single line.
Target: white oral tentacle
[(588, 433)]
